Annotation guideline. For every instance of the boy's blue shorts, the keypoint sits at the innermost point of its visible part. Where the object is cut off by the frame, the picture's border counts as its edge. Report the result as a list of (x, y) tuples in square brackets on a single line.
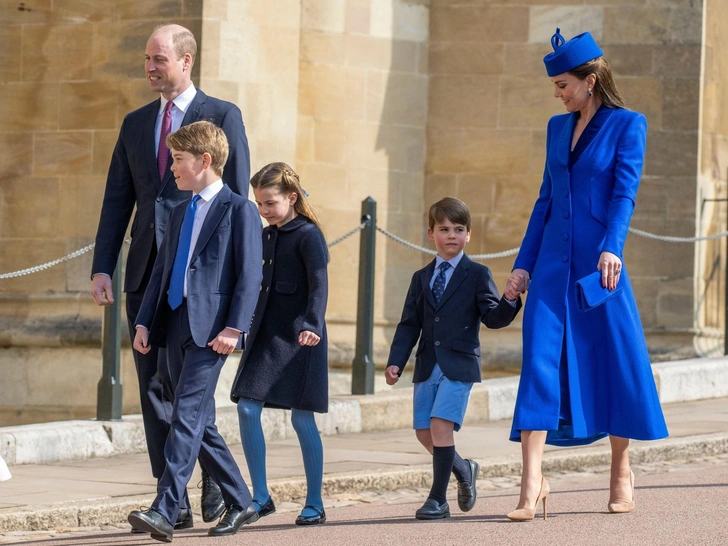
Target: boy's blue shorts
[(442, 398)]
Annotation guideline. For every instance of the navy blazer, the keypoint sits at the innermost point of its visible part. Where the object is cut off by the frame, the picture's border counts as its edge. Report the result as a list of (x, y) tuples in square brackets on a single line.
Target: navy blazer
[(133, 179), (224, 276), (448, 332)]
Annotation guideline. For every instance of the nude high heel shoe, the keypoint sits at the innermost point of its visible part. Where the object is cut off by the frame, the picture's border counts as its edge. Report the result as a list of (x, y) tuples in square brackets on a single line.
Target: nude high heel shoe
[(622, 507), (525, 514)]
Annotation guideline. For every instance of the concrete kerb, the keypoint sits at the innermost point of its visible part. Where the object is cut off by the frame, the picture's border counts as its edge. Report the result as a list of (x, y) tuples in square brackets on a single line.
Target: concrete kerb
[(491, 400), (112, 511)]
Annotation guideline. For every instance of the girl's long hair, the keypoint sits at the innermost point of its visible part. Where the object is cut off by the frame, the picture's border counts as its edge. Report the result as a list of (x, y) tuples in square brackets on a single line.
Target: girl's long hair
[(286, 181)]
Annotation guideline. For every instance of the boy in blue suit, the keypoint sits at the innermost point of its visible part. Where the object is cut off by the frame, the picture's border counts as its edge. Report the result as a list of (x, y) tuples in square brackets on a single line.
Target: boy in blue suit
[(199, 304), (446, 302)]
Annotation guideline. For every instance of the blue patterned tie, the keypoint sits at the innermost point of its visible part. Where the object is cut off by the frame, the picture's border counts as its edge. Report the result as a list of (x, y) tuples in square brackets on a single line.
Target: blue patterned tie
[(438, 287), (179, 269)]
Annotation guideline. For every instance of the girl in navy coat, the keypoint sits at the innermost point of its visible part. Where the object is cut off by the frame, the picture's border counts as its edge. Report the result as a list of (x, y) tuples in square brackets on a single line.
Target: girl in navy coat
[(285, 363), (586, 372)]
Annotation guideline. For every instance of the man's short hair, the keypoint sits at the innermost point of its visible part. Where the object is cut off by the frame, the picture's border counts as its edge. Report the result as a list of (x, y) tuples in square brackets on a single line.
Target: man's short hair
[(200, 137), (452, 209), (183, 41)]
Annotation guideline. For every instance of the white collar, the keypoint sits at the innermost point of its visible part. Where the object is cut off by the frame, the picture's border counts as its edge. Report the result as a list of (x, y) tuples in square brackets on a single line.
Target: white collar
[(181, 101), (211, 191)]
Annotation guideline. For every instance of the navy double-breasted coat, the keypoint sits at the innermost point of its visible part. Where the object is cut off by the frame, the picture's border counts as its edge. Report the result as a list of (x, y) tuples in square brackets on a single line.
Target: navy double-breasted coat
[(275, 368), (596, 360)]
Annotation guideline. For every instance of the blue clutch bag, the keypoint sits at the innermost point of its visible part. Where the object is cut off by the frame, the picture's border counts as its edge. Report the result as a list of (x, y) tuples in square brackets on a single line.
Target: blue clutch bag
[(590, 293)]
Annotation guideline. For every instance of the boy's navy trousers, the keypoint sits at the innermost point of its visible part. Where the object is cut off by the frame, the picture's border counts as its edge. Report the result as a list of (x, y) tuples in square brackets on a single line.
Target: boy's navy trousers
[(194, 372)]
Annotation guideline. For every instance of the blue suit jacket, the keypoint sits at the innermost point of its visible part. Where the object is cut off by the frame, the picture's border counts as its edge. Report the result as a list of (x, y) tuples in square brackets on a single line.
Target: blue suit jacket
[(448, 332), (223, 280), (133, 179)]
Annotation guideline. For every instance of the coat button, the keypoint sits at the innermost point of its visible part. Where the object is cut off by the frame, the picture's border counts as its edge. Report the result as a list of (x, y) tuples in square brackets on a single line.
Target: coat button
[(564, 236), (151, 225), (565, 214), (437, 319), (159, 199), (564, 258), (437, 344)]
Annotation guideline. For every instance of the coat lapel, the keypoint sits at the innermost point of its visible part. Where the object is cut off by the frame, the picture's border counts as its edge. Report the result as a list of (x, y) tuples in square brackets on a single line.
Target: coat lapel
[(458, 276), (217, 210), (150, 124), (564, 143), (429, 271)]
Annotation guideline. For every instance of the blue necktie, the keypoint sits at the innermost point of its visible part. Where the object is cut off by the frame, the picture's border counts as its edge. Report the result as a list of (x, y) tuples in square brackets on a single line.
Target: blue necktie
[(438, 287), (179, 269)]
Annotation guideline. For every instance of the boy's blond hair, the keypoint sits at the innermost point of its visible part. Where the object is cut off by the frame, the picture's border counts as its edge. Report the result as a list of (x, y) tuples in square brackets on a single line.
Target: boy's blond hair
[(199, 138)]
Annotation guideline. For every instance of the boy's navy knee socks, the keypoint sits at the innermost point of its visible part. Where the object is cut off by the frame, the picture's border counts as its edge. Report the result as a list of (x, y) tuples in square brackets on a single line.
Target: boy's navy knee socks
[(313, 457), (461, 469), (251, 434), (442, 466)]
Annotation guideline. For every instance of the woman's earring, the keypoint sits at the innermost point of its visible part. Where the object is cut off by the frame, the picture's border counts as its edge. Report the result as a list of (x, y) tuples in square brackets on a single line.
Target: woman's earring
[(590, 92)]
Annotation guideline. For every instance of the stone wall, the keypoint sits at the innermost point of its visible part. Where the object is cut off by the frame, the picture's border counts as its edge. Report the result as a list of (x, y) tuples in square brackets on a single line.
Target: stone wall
[(361, 132), (489, 104), (713, 180)]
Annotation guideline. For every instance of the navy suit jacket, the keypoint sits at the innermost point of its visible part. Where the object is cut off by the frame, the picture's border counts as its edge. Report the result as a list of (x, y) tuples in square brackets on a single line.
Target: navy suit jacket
[(133, 179), (224, 276), (448, 332)]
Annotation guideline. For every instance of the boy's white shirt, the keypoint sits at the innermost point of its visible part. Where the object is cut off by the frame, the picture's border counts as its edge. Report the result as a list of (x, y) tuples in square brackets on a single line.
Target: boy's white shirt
[(4, 472)]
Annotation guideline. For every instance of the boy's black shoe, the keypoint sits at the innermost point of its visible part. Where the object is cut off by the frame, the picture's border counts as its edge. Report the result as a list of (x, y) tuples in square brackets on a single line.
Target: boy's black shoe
[(184, 521), (433, 510), (467, 493), (233, 519), (151, 521)]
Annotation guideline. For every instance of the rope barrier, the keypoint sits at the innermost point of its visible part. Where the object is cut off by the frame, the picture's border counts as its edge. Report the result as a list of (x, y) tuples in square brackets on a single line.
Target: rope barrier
[(477, 257)]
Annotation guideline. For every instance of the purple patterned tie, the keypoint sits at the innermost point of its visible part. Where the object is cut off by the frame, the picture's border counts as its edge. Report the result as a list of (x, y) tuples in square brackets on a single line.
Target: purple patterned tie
[(163, 151)]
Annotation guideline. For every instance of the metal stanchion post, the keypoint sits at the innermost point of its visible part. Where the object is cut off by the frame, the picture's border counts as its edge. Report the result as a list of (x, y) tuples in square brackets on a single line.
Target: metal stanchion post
[(109, 398), (362, 372)]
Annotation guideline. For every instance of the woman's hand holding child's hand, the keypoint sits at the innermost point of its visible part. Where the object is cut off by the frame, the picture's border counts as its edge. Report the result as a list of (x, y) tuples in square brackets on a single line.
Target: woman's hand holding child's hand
[(308, 338)]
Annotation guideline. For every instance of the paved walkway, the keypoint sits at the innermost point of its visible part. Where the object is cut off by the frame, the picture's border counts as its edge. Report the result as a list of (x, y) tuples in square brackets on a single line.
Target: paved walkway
[(99, 480)]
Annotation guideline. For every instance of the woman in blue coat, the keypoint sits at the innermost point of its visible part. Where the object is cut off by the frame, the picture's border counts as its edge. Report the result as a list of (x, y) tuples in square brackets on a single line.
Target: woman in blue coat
[(586, 372), (285, 363)]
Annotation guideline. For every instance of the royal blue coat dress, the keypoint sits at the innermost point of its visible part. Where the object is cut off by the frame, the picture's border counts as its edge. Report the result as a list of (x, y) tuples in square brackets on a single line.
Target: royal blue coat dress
[(585, 374), (275, 368)]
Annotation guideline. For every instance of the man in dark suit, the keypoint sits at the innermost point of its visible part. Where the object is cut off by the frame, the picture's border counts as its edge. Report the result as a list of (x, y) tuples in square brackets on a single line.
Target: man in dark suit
[(139, 175), (200, 299)]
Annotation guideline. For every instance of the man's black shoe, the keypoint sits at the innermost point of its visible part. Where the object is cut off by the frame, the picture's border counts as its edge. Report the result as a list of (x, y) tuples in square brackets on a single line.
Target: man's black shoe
[(233, 519), (433, 510), (467, 493), (212, 503), (151, 521), (266, 509)]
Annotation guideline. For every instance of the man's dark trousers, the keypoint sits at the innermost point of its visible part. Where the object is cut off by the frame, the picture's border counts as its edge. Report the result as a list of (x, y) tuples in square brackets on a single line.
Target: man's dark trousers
[(194, 372)]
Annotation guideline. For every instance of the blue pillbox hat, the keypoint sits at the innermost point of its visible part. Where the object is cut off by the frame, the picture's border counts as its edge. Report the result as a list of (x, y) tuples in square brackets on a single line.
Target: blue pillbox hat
[(568, 55)]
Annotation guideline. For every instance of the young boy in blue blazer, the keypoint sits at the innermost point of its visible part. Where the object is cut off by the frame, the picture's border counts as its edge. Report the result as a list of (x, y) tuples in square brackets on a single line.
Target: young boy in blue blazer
[(199, 305), (446, 302)]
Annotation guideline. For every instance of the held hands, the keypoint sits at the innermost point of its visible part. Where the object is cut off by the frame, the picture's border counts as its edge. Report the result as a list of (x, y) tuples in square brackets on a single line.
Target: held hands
[(517, 284), (611, 267), (308, 338), (101, 289), (225, 341), (391, 374), (141, 340)]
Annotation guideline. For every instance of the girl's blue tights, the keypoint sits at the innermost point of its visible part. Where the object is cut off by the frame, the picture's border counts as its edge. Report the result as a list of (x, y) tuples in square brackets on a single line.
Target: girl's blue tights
[(251, 433)]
